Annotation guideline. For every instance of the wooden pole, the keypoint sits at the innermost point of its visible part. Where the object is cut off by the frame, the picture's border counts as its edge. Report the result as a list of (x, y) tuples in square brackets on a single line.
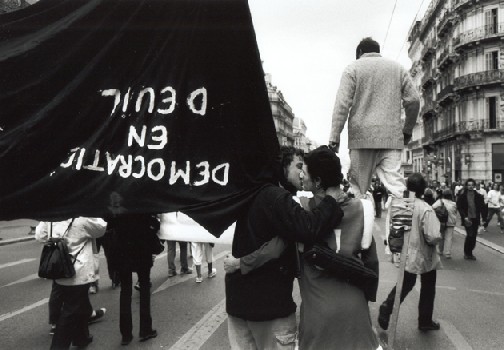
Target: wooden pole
[(400, 279), (397, 301)]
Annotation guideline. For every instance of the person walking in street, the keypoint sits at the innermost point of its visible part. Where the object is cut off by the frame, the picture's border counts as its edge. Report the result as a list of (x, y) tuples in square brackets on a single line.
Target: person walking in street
[(203, 250), (136, 244), (493, 207), (261, 310), (471, 207), (446, 199), (184, 267), (429, 196), (480, 188), (72, 293), (376, 133), (422, 259)]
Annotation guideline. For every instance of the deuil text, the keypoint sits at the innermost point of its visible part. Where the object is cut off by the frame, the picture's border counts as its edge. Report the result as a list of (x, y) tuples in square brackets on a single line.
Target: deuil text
[(193, 173)]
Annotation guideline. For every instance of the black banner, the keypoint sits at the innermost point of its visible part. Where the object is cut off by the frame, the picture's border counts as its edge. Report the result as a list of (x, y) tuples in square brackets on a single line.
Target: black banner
[(137, 106)]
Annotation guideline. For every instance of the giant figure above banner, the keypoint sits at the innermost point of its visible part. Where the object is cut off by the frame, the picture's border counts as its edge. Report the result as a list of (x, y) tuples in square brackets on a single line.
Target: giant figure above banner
[(159, 103)]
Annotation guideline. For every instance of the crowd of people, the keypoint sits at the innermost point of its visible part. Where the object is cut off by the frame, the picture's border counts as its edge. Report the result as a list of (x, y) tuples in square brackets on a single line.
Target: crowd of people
[(130, 243), (277, 230)]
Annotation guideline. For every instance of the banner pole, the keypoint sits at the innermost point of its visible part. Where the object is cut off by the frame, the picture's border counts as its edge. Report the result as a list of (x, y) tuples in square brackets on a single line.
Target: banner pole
[(400, 278), (397, 300)]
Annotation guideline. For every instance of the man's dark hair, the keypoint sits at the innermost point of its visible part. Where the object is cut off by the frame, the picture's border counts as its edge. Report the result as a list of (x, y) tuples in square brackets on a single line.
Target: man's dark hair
[(470, 180), (416, 183), (286, 156), (367, 45), (324, 164)]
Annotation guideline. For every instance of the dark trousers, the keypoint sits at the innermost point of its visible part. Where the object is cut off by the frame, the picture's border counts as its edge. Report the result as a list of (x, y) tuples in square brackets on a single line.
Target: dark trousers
[(491, 213), (378, 208), (427, 295), (72, 325), (470, 240), (55, 303), (125, 318), (171, 255)]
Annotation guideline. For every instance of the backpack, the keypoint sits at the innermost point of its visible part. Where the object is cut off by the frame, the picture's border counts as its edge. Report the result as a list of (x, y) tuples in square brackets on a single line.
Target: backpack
[(55, 260), (442, 213)]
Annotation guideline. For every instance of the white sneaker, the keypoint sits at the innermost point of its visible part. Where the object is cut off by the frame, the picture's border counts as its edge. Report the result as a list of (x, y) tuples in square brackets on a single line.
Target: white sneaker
[(213, 273), (199, 279)]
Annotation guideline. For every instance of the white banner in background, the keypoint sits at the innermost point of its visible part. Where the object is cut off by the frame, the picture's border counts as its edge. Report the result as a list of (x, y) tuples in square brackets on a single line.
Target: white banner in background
[(180, 227)]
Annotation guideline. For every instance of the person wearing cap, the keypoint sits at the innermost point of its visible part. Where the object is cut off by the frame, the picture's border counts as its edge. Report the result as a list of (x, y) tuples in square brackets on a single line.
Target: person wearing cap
[(446, 199)]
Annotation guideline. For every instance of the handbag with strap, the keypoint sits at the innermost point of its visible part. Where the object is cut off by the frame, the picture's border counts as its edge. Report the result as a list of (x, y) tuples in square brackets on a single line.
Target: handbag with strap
[(55, 261), (347, 268)]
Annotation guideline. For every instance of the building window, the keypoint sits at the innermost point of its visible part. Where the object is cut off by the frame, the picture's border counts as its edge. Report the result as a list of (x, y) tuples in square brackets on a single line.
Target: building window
[(492, 112), (491, 21), (492, 60)]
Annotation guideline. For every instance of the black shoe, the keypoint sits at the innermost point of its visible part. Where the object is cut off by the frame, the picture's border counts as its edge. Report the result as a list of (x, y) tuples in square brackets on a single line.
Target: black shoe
[(172, 274), (84, 343), (152, 334), (185, 272), (99, 313), (126, 340), (469, 257), (383, 317), (432, 326)]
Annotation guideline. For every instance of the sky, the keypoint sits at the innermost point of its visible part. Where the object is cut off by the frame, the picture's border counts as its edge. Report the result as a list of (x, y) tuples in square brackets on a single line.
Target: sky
[(306, 44)]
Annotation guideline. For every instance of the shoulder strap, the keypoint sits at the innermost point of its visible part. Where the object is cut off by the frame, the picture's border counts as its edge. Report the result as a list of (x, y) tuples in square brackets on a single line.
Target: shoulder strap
[(68, 228)]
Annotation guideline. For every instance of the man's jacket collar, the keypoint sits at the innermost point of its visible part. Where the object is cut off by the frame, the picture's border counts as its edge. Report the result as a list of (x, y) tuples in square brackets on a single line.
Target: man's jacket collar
[(370, 54)]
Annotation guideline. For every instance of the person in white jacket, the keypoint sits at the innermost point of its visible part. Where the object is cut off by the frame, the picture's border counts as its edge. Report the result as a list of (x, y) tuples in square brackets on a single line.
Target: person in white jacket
[(494, 207), (78, 233)]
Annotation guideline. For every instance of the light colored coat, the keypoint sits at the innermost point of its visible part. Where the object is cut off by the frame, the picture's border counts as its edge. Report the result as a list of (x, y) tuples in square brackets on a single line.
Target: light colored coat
[(421, 257), (80, 235), (451, 207), (369, 96)]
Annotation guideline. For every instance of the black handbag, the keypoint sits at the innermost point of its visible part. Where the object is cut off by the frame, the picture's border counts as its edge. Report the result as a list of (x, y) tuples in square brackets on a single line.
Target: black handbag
[(55, 260), (347, 268)]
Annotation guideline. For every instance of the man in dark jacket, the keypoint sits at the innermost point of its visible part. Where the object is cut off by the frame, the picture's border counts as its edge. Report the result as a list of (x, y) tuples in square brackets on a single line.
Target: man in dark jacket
[(259, 304), (471, 207)]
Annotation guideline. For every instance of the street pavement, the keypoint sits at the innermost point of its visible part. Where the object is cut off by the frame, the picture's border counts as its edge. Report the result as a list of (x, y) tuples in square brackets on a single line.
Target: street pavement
[(187, 315)]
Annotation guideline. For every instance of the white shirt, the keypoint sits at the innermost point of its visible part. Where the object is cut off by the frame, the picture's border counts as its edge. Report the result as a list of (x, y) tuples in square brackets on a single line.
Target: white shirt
[(483, 192), (493, 199)]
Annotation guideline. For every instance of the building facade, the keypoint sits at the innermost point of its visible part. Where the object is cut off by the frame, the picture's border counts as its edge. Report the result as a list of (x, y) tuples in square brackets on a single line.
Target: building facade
[(457, 51), (290, 130)]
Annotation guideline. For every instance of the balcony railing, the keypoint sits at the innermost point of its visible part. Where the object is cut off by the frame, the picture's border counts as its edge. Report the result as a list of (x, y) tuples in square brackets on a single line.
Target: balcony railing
[(446, 58), (480, 33), (458, 3), (414, 144), (446, 22), (428, 80), (478, 125), (427, 109), (445, 94), (428, 50), (480, 78)]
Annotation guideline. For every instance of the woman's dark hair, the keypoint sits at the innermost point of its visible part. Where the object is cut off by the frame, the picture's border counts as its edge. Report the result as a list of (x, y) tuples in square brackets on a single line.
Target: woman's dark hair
[(367, 45), (285, 157), (416, 183), (324, 164)]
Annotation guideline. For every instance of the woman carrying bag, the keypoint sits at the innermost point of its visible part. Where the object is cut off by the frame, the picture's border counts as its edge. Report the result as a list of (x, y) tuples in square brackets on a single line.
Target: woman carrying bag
[(78, 233)]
